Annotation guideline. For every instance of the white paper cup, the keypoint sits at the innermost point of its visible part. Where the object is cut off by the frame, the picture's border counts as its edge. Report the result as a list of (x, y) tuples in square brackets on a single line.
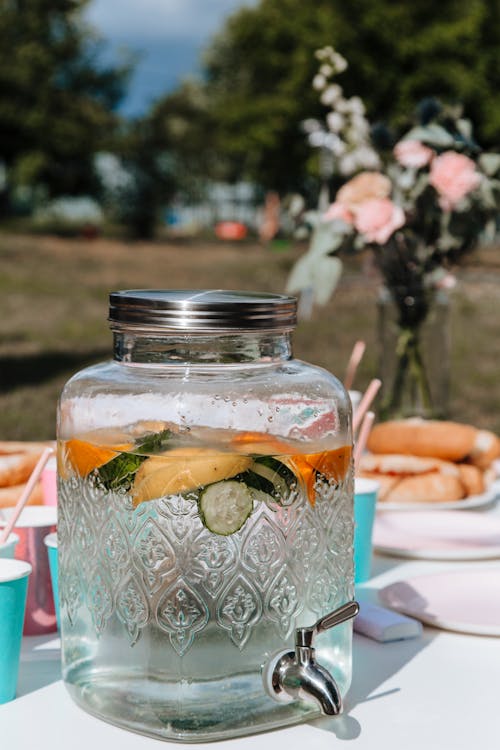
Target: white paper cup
[(8, 548), (355, 397)]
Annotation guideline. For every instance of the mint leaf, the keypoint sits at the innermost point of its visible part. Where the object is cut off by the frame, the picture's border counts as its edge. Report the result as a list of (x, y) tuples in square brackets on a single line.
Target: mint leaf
[(155, 443), (255, 482), (119, 473)]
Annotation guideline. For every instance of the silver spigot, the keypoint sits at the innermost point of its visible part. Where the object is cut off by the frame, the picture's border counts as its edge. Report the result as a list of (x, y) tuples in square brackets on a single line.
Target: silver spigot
[(297, 675)]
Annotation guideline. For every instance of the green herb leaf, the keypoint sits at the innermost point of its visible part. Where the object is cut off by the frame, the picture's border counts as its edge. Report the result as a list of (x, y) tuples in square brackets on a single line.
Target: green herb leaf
[(119, 473), (280, 472), (154, 443), (256, 482)]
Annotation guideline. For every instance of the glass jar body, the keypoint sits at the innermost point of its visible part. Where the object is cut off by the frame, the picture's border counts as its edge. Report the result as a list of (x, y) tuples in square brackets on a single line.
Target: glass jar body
[(170, 609)]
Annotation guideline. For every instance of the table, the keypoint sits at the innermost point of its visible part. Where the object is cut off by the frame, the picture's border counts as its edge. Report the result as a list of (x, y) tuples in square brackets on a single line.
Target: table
[(437, 692)]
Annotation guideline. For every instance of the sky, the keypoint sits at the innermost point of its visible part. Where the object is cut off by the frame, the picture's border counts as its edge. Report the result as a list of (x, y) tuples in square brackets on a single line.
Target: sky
[(168, 34)]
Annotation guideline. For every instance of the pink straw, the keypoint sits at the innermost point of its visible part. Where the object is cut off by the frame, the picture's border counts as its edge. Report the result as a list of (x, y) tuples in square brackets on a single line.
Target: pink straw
[(363, 437), (354, 360), (365, 403), (30, 486)]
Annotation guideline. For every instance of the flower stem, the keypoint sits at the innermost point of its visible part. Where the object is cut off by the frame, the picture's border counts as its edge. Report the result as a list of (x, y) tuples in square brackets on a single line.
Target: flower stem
[(410, 377)]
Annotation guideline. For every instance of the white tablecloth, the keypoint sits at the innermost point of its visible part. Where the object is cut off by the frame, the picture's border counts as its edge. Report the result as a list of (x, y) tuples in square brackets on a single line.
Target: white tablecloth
[(437, 692)]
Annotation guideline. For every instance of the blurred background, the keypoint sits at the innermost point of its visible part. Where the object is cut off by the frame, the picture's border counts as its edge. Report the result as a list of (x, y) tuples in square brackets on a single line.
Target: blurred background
[(164, 143)]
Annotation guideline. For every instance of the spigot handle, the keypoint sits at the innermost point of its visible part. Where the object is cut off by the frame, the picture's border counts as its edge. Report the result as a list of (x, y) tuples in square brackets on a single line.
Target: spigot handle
[(304, 636), (343, 613)]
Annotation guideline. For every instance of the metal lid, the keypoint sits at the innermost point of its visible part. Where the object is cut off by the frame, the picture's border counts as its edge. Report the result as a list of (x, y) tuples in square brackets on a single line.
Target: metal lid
[(200, 310)]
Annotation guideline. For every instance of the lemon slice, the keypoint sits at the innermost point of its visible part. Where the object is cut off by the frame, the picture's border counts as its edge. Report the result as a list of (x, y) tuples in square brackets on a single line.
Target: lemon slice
[(184, 469)]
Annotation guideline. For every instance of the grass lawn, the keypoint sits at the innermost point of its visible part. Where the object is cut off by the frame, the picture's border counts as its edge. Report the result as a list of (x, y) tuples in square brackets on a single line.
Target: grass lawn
[(54, 300)]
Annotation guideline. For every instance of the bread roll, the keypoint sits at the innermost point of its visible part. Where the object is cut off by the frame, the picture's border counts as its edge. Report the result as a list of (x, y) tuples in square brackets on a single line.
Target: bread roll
[(449, 441), (386, 482), (472, 478), (15, 468), (486, 449), (13, 446), (426, 488), (404, 464), (10, 495)]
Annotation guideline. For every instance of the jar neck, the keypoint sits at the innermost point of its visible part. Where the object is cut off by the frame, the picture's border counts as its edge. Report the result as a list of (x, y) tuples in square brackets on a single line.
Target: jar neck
[(202, 349)]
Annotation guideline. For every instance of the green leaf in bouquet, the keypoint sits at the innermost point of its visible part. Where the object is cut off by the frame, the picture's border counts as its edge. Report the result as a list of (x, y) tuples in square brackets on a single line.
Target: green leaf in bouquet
[(420, 185), (489, 163), (490, 230), (464, 127), (301, 275), (432, 135), (326, 276), (320, 274), (487, 195), (328, 237)]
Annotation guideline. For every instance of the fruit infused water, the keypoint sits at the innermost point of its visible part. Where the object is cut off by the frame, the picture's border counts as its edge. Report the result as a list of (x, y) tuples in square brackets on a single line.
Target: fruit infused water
[(211, 548)]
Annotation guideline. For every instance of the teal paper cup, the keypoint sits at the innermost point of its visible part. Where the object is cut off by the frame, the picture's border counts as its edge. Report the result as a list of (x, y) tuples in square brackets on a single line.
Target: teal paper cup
[(13, 588), (365, 501), (51, 544), (8, 548)]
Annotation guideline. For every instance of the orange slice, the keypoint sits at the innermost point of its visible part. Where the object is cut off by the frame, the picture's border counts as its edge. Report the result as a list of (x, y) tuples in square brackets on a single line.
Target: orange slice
[(260, 443), (331, 464), (84, 457)]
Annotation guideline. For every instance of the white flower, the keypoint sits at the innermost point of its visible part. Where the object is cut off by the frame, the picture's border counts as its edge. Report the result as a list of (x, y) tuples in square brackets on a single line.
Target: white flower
[(335, 144), (319, 82), (326, 70), (406, 179), (335, 121), (339, 62), (311, 125), (324, 53), (366, 157), (331, 94), (317, 139), (339, 147), (347, 164), (360, 126), (356, 105), (342, 106)]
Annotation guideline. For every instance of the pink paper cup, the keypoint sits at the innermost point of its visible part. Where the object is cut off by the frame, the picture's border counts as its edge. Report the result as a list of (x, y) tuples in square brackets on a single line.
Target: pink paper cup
[(49, 482), (32, 526)]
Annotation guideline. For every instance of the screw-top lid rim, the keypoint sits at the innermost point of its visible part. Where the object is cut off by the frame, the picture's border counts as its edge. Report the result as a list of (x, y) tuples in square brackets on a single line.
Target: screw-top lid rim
[(199, 310)]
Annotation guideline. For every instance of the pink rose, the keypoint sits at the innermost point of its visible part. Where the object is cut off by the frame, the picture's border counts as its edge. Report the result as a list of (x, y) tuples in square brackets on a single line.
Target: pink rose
[(339, 211), (454, 176), (413, 154), (448, 281), (363, 187), (377, 219)]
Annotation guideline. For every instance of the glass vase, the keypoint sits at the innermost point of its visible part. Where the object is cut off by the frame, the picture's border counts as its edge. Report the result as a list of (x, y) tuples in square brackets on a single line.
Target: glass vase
[(414, 357)]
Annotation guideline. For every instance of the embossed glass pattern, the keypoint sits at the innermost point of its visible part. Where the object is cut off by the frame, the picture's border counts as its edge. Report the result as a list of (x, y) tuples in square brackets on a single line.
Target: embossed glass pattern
[(167, 625)]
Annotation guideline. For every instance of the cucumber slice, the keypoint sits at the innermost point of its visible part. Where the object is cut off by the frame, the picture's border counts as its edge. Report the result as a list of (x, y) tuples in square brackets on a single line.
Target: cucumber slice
[(280, 476), (225, 506)]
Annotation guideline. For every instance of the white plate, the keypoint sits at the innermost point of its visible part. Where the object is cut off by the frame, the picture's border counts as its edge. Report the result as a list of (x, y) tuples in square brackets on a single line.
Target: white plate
[(466, 600), (473, 501), (445, 535)]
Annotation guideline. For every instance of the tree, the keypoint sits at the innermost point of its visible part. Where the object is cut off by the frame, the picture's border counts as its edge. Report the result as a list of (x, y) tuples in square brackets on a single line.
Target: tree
[(166, 152), (56, 99), (260, 67)]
